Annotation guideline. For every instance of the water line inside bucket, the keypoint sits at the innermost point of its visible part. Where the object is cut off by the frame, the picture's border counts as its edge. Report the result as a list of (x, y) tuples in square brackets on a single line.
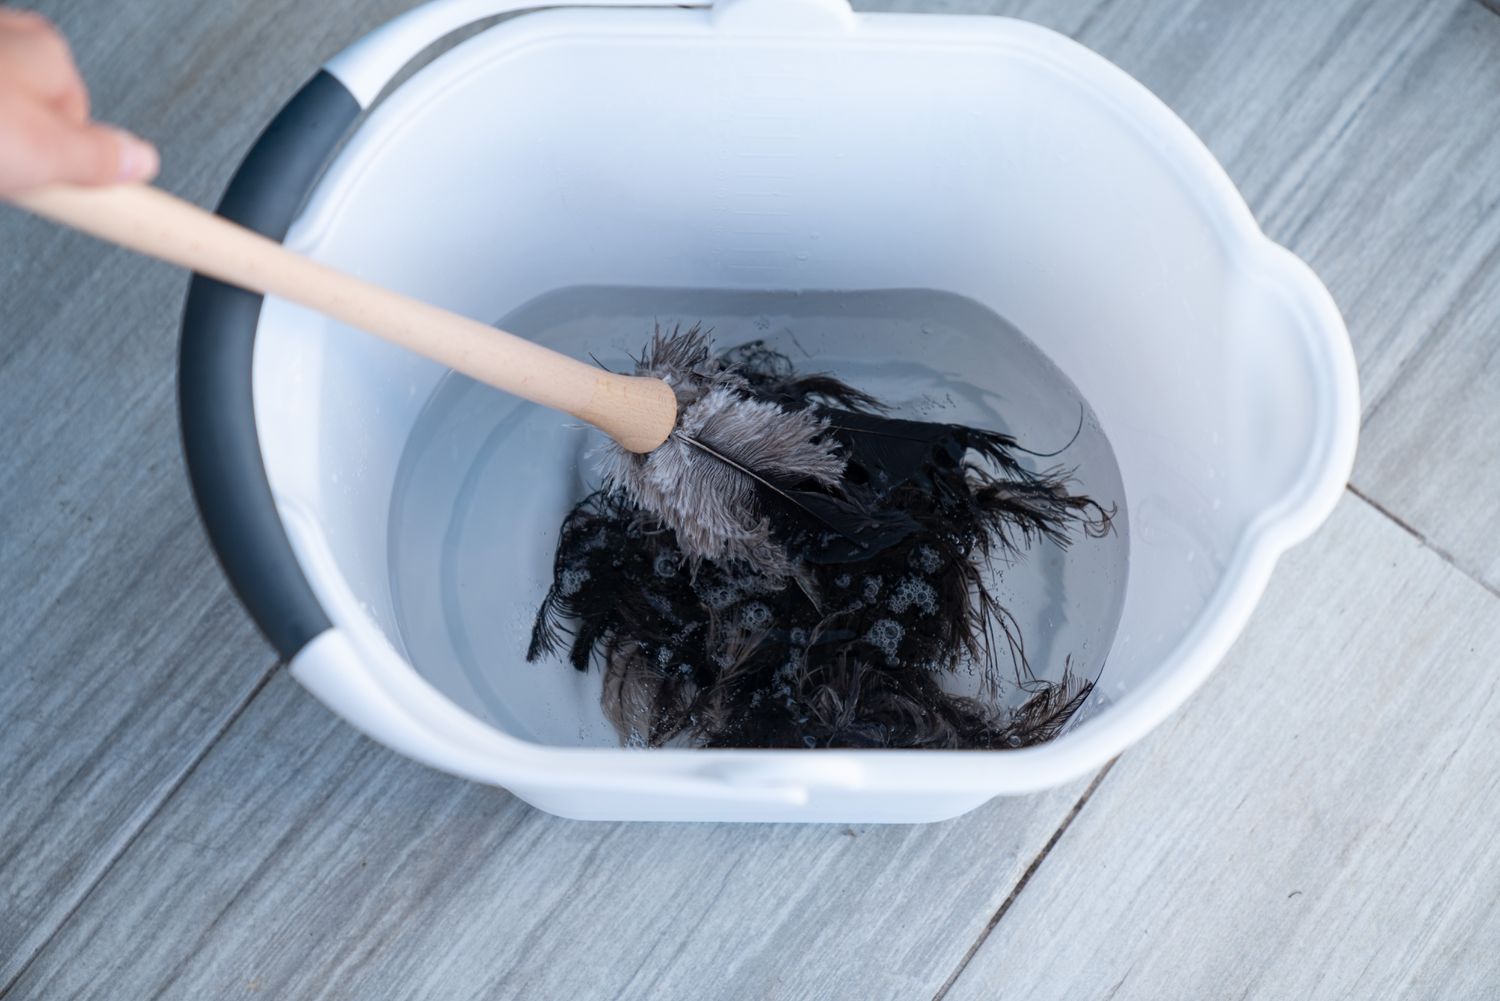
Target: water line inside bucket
[(485, 480)]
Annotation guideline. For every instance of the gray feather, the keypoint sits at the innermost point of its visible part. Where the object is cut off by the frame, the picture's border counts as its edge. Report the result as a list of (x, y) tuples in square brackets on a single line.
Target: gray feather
[(713, 507)]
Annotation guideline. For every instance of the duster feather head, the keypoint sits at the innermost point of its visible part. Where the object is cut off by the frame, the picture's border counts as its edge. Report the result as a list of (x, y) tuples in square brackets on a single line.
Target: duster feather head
[(695, 482), (821, 570)]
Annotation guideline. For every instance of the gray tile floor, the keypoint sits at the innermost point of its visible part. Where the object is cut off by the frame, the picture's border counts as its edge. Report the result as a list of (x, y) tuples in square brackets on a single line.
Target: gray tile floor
[(178, 820)]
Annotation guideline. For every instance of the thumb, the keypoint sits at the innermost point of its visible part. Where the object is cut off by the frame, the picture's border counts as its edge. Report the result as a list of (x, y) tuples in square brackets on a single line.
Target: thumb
[(98, 154)]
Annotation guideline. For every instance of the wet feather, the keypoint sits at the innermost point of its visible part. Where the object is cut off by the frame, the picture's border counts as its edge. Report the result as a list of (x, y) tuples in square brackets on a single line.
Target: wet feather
[(795, 569)]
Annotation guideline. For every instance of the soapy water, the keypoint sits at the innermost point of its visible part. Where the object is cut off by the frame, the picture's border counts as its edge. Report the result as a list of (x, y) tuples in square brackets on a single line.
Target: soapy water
[(486, 480)]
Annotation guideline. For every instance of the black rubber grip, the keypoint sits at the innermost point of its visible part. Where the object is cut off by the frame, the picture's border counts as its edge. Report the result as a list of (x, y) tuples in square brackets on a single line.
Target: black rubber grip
[(215, 405)]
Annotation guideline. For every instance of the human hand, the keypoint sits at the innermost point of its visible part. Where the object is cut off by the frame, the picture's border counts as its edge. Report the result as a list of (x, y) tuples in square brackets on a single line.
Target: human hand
[(45, 132)]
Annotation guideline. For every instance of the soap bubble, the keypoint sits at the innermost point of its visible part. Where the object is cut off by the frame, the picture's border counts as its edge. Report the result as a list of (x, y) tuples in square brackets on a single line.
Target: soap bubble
[(720, 596), (926, 559), (885, 636), (911, 591), (756, 615)]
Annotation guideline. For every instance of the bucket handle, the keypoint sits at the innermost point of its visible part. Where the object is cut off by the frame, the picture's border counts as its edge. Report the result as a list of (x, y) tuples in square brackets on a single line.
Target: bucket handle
[(369, 64), (216, 406)]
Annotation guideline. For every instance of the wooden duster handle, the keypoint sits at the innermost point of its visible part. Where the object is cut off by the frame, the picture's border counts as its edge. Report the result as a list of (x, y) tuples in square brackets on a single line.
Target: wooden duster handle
[(637, 412)]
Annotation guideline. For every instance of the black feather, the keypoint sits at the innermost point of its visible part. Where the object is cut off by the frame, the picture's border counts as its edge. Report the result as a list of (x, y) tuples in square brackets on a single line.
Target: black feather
[(890, 593)]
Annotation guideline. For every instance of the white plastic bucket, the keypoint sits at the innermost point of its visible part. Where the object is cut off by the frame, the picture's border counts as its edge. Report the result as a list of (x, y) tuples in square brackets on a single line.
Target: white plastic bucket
[(980, 156)]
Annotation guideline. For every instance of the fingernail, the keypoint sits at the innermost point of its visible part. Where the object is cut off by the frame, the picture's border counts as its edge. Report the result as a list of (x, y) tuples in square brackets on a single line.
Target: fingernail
[(139, 160)]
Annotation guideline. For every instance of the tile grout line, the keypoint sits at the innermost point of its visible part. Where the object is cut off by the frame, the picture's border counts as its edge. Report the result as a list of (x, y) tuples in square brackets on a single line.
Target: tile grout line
[(151, 814), (1021, 883), (1400, 522), (1421, 539)]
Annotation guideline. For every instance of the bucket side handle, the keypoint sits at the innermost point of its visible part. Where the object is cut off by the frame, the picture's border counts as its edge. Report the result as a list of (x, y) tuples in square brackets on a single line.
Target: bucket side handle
[(215, 400), (1295, 395)]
